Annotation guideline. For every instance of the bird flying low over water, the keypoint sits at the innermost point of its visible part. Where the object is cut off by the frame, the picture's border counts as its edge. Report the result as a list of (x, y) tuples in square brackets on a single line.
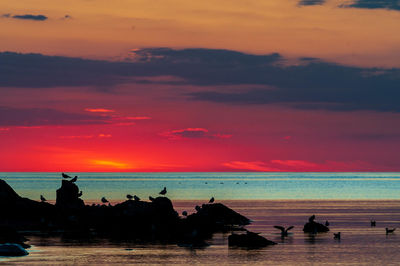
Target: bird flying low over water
[(74, 179), (211, 200), (336, 235), (389, 231), (136, 198), (42, 198), (65, 175), (104, 200), (129, 196), (284, 232), (163, 192)]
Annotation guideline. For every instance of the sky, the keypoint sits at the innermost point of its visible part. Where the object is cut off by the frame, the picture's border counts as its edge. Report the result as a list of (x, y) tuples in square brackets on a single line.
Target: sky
[(184, 86)]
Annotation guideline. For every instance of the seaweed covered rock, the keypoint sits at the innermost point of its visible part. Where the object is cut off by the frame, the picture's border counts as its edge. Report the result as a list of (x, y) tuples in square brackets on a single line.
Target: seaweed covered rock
[(11, 249), (314, 227), (68, 196), (249, 240)]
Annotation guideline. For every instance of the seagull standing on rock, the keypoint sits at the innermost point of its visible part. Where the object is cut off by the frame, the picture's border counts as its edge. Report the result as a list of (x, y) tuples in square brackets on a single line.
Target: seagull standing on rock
[(73, 180), (163, 192), (104, 200), (129, 197), (211, 200), (65, 175), (42, 198), (136, 198)]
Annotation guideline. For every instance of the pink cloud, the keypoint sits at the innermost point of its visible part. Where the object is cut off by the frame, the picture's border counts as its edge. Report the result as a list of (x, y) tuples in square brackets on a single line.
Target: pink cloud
[(99, 110), (4, 129), (294, 163)]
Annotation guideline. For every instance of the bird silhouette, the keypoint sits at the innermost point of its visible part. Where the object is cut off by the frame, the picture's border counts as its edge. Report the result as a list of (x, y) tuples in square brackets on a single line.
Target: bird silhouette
[(104, 200), (184, 213), (373, 223), (311, 219), (197, 208), (129, 196), (73, 180), (80, 194), (42, 198), (151, 198), (284, 232), (336, 235), (326, 223), (389, 231), (65, 175), (136, 198), (211, 200), (163, 192)]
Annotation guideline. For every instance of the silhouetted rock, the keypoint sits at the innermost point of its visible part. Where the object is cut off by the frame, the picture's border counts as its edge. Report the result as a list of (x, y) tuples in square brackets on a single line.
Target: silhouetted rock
[(68, 195), (249, 240), (314, 227), (11, 249), (8, 234)]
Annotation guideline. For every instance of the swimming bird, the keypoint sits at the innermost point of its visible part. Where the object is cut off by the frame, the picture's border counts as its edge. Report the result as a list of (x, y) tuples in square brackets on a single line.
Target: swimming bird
[(197, 208), (136, 198), (211, 200), (389, 231), (129, 196), (336, 235), (373, 223), (80, 194), (73, 180), (284, 232), (163, 192), (184, 213), (104, 200), (311, 219), (42, 198), (65, 175), (326, 223), (151, 198)]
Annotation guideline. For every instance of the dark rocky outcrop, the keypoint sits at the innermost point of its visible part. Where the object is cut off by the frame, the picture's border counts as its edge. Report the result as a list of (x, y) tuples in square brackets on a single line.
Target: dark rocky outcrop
[(249, 240), (314, 227), (139, 221), (8, 234)]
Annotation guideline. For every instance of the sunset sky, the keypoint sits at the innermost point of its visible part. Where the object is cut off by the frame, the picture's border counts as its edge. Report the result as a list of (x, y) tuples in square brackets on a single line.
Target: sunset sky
[(177, 85)]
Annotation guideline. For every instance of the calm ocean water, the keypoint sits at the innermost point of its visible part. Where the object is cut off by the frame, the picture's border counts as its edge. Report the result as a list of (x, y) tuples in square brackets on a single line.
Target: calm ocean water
[(223, 186), (348, 200)]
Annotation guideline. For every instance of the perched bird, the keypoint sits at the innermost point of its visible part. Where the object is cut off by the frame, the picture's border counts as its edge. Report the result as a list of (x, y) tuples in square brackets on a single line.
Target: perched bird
[(184, 213), (389, 231), (336, 235), (42, 198), (73, 180), (326, 223), (129, 196), (151, 198), (163, 192), (136, 198), (284, 232), (197, 208), (373, 223), (104, 200), (80, 194), (311, 219), (65, 175), (211, 200)]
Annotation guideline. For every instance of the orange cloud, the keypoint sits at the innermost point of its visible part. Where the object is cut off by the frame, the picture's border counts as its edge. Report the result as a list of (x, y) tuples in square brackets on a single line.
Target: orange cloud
[(99, 110), (112, 164)]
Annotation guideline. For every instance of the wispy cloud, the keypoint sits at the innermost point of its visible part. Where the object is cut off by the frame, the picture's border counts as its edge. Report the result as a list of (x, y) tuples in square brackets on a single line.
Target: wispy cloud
[(26, 17), (99, 110), (252, 166), (311, 2), (193, 133)]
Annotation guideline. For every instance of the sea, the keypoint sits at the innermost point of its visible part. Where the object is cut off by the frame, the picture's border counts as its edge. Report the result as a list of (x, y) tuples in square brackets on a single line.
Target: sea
[(349, 201)]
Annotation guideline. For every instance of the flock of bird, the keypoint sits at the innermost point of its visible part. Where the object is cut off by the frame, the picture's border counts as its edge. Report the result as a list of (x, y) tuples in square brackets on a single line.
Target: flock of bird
[(163, 192)]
